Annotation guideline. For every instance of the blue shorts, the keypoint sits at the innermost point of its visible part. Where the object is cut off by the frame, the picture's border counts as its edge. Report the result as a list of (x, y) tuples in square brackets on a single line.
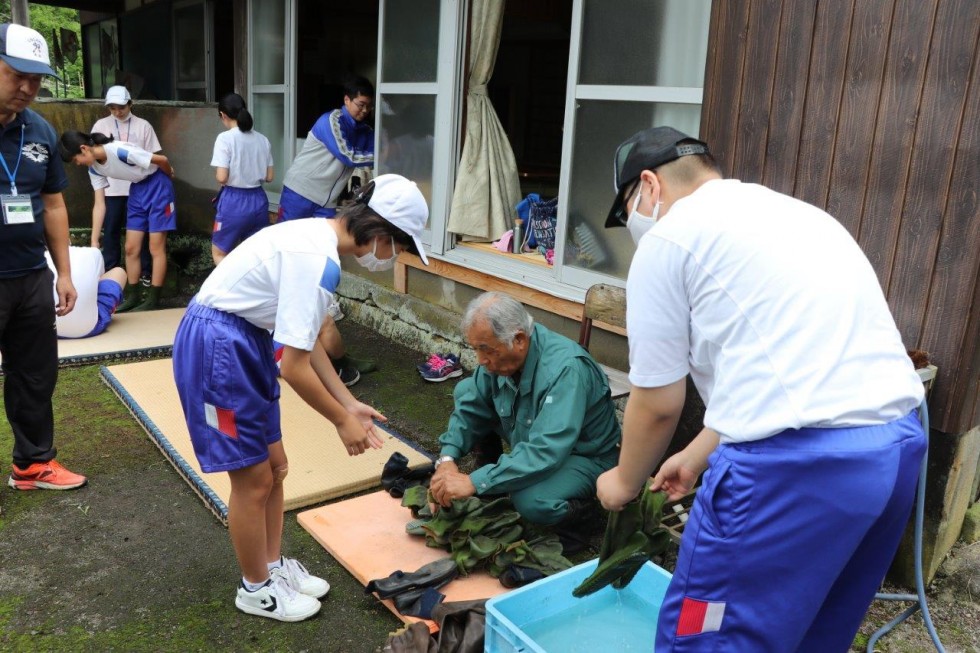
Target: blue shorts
[(789, 539), (151, 205), (110, 294), (241, 213), (293, 206), (226, 379)]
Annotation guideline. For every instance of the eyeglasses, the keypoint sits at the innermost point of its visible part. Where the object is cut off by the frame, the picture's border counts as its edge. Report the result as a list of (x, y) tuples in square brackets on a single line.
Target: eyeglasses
[(622, 214), (362, 105)]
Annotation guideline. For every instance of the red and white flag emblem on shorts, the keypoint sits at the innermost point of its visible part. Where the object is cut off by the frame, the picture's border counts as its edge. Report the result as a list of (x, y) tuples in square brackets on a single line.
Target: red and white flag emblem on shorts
[(700, 617), (217, 225), (221, 419)]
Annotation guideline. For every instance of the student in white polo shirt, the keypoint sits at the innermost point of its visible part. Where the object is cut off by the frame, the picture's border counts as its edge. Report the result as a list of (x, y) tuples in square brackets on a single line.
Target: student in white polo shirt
[(242, 159), (280, 283), (99, 292), (109, 207), (812, 441), (150, 209)]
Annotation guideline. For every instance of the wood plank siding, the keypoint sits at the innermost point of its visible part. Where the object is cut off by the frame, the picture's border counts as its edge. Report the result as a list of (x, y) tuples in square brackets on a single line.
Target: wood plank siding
[(869, 109)]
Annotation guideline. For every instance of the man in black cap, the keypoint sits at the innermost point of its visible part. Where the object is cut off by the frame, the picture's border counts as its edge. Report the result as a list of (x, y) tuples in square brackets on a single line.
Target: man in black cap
[(34, 219), (812, 442)]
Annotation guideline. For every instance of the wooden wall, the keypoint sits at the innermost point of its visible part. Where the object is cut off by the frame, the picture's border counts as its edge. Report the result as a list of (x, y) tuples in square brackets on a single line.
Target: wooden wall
[(869, 109)]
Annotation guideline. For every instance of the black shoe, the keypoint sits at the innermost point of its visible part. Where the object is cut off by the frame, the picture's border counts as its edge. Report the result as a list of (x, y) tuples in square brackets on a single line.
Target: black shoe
[(348, 375), (518, 576), (396, 477), (394, 469), (435, 574)]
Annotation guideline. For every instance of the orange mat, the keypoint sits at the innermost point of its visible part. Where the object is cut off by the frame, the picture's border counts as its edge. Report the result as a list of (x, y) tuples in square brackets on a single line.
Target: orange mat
[(367, 535)]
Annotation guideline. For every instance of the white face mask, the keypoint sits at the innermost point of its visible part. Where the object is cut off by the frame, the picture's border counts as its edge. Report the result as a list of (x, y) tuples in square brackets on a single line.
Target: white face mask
[(639, 224), (375, 264)]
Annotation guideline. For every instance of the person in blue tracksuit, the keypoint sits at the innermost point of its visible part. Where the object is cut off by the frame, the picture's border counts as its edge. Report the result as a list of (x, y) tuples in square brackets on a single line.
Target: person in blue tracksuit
[(339, 142)]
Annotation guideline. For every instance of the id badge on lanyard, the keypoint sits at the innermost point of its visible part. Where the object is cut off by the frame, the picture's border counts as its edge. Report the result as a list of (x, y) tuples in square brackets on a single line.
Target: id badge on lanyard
[(17, 208)]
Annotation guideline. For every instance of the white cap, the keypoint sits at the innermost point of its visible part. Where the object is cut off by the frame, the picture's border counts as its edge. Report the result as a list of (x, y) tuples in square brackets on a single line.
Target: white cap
[(24, 50), (117, 95), (400, 202)]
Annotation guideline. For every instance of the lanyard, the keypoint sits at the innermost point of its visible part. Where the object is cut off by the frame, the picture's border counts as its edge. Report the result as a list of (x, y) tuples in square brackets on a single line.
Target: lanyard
[(129, 130), (3, 161)]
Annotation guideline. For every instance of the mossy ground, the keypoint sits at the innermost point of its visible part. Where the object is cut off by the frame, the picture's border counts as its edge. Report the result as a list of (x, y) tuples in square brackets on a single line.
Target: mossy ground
[(134, 561)]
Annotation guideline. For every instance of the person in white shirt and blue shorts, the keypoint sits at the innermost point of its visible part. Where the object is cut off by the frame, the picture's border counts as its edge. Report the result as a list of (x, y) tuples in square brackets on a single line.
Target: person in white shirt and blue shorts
[(150, 208), (812, 442), (243, 160), (280, 284)]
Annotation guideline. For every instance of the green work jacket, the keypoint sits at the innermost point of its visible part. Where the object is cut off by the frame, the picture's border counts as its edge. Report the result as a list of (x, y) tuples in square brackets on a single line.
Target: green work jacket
[(561, 407)]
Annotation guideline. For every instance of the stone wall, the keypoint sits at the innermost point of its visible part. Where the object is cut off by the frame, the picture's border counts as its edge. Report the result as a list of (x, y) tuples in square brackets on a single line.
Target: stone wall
[(186, 131)]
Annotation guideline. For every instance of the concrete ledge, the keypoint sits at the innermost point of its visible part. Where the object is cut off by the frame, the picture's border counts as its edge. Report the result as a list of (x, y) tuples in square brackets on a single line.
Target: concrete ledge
[(410, 321)]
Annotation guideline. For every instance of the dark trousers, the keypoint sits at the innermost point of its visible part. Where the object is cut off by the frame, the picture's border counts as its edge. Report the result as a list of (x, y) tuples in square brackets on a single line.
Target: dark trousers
[(112, 227), (29, 346)]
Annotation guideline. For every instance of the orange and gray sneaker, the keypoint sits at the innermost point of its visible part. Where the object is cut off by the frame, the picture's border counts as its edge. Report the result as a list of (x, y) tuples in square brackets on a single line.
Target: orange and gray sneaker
[(50, 475)]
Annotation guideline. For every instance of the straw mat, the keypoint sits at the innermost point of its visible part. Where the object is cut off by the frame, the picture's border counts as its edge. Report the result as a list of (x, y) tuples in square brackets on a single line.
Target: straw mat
[(367, 535), (128, 335), (319, 467)]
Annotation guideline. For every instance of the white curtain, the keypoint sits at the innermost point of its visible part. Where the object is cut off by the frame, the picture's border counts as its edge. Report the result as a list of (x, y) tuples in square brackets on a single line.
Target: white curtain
[(487, 185)]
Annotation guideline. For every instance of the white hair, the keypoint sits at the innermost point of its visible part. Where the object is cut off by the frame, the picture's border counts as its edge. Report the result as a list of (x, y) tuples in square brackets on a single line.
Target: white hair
[(505, 315)]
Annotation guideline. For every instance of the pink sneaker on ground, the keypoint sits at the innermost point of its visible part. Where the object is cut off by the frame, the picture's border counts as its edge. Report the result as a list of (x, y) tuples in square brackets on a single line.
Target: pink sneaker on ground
[(446, 368)]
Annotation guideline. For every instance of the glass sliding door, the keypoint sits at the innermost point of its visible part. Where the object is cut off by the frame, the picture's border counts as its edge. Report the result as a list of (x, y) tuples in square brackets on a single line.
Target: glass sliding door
[(624, 76), (417, 100), (193, 58), (270, 73)]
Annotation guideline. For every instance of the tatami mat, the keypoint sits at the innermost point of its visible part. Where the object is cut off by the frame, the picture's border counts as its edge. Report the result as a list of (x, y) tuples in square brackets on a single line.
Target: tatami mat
[(128, 335), (319, 467), (367, 535)]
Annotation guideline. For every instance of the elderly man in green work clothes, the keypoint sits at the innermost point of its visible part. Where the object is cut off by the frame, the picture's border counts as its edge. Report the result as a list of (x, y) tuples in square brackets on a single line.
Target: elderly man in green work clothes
[(545, 396)]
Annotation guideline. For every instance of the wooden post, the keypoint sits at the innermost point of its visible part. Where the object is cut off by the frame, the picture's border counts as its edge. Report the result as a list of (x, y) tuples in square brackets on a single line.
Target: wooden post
[(19, 13)]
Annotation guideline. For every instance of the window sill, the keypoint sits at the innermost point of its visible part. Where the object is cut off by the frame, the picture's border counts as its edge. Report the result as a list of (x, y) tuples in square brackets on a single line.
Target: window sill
[(461, 269)]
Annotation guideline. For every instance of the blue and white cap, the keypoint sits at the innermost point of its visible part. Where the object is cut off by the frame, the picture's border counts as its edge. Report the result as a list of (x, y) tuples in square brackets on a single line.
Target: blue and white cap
[(24, 50)]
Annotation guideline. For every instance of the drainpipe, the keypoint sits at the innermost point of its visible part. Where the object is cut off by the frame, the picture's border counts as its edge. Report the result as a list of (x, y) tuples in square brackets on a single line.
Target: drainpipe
[(19, 13)]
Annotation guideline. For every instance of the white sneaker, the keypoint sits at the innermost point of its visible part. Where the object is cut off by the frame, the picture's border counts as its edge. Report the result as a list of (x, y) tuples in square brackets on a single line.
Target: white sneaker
[(302, 581), (277, 600)]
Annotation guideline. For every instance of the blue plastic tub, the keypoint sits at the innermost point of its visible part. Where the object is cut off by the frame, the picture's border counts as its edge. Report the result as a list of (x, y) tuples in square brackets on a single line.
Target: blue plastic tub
[(544, 617)]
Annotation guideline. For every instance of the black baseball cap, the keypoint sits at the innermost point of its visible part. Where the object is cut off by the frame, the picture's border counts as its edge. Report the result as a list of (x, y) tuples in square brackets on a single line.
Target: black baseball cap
[(646, 150)]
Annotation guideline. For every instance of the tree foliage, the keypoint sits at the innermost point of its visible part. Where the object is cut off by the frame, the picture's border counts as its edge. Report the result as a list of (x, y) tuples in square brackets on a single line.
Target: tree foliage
[(49, 21)]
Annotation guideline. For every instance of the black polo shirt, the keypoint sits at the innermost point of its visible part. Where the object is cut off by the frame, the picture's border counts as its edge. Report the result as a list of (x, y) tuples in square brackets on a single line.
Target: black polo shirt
[(40, 171)]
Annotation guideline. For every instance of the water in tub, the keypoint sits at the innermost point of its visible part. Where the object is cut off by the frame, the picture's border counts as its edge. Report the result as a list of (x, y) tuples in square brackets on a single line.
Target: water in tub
[(621, 621)]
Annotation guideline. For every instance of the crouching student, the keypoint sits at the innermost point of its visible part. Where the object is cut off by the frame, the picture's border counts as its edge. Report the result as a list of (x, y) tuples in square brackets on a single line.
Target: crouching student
[(99, 292), (150, 208), (280, 283)]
